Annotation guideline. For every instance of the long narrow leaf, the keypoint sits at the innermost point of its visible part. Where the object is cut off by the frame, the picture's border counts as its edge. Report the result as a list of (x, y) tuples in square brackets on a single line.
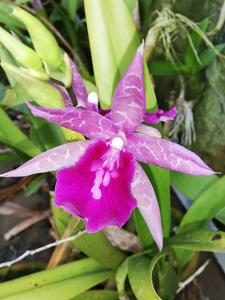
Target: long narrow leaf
[(140, 281), (43, 278), (16, 139), (64, 289), (205, 207), (200, 240), (113, 40), (98, 295)]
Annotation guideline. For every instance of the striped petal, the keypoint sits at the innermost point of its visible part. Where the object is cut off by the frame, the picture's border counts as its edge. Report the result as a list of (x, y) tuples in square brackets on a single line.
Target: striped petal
[(160, 116), (66, 97), (79, 89), (89, 123), (147, 204), (128, 105), (167, 155), (51, 160)]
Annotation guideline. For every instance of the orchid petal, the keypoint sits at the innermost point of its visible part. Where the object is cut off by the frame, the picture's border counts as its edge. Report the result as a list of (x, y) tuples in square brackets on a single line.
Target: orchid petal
[(151, 131), (129, 105), (167, 155), (51, 160), (66, 97), (147, 204), (98, 194), (160, 116), (89, 123), (79, 89)]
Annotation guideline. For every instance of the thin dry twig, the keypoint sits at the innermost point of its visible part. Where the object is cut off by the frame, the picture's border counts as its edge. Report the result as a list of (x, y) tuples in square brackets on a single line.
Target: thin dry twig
[(61, 251), (10, 191), (11, 208), (41, 249), (26, 224), (183, 284)]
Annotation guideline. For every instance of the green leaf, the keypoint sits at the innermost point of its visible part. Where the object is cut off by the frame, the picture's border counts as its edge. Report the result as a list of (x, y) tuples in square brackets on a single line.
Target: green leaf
[(193, 45), (97, 246), (164, 68), (205, 207), (6, 18), (160, 179), (16, 139), (48, 277), (167, 278), (140, 281), (209, 55), (11, 98), (34, 185), (71, 7), (11, 157), (98, 295), (199, 240), (113, 41), (198, 184), (64, 289), (130, 5), (49, 134), (142, 229), (121, 276)]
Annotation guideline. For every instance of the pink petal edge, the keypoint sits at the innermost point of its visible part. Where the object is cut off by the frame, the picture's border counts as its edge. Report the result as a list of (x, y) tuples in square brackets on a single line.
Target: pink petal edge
[(129, 104), (147, 204), (89, 123), (51, 160), (79, 89), (66, 97), (160, 116), (167, 155)]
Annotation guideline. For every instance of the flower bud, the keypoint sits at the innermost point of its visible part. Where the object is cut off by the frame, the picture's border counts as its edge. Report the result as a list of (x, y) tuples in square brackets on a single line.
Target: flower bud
[(44, 42), (41, 92), (22, 53)]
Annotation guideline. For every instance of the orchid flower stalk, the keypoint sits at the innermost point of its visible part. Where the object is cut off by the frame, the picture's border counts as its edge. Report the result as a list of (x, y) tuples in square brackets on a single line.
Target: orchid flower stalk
[(100, 180)]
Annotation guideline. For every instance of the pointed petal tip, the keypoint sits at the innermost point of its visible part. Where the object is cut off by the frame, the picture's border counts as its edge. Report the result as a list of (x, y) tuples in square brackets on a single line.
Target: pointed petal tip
[(159, 243), (141, 48), (29, 105)]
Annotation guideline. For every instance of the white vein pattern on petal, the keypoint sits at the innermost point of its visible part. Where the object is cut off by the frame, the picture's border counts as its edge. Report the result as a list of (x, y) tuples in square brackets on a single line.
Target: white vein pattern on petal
[(62, 156), (129, 102), (89, 123), (167, 155), (78, 86), (140, 188), (66, 97), (79, 89), (147, 203)]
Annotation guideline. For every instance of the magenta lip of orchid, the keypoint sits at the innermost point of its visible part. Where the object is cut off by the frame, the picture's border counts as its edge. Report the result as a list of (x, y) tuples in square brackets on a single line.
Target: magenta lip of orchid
[(100, 179)]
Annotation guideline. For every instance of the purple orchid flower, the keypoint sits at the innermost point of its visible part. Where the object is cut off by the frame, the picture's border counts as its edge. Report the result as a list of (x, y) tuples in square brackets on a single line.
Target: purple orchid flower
[(100, 180)]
